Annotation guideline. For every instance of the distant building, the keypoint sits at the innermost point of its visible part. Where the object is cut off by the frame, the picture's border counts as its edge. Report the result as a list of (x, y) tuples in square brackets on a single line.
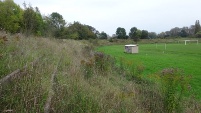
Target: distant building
[(131, 48)]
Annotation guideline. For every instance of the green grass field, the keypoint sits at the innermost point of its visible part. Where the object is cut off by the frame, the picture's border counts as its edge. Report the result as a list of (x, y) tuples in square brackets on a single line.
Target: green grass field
[(69, 76), (155, 58)]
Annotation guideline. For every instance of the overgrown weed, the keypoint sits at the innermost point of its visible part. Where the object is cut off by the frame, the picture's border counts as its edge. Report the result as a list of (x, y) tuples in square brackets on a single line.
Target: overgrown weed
[(104, 87)]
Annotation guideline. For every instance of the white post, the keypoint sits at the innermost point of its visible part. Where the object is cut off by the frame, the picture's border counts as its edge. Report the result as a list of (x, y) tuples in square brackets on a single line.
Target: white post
[(165, 46), (185, 42), (197, 42)]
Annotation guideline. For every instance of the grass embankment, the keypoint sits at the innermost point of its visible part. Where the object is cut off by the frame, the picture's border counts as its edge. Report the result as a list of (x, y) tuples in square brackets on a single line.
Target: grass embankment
[(154, 58), (79, 84), (85, 81), (28, 92)]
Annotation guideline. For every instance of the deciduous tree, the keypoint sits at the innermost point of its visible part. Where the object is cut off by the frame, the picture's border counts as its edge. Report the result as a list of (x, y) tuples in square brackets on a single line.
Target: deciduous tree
[(10, 16), (152, 35), (144, 34), (161, 35), (192, 30), (32, 21), (121, 33), (175, 31), (103, 35), (79, 31), (28, 19), (183, 32), (197, 26), (138, 35), (198, 34), (96, 32), (39, 29), (57, 20), (133, 32), (58, 23)]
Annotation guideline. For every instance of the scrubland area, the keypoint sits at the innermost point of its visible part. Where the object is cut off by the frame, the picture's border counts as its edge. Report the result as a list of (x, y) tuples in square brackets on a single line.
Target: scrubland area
[(58, 75)]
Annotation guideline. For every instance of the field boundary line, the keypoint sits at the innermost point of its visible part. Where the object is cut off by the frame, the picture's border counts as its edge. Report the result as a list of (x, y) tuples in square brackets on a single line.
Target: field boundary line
[(17, 72)]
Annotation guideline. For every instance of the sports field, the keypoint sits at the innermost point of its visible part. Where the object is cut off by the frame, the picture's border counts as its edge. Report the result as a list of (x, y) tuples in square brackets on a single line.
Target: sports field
[(156, 57)]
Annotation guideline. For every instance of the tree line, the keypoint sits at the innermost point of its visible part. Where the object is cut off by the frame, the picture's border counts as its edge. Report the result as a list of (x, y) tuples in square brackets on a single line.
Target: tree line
[(29, 21), (136, 34), (192, 31)]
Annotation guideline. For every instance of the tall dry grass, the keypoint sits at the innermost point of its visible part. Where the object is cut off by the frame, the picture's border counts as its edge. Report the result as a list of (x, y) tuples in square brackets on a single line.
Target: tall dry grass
[(85, 81)]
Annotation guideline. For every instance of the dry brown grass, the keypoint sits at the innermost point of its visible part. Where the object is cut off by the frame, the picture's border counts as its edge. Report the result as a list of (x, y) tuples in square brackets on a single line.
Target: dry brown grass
[(106, 90)]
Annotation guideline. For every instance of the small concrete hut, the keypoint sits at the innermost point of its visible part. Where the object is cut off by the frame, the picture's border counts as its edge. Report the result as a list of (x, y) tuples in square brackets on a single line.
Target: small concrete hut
[(131, 48)]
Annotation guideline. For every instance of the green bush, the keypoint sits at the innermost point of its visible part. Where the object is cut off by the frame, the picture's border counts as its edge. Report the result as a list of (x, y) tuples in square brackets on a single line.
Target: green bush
[(99, 63), (133, 70), (174, 85)]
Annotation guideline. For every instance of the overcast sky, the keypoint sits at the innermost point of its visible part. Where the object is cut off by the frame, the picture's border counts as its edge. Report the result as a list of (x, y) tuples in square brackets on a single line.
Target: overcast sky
[(108, 15)]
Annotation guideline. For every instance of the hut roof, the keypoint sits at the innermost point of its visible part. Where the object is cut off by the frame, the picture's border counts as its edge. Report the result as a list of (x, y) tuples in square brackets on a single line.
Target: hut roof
[(131, 45)]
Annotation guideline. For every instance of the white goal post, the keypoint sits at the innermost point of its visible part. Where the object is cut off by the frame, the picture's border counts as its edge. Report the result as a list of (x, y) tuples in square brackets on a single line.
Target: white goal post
[(191, 41)]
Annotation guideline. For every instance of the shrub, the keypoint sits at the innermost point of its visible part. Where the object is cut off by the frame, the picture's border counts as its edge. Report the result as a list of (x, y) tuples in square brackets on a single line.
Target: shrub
[(87, 67), (98, 63), (174, 85), (102, 61), (94, 42), (133, 70), (110, 40)]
